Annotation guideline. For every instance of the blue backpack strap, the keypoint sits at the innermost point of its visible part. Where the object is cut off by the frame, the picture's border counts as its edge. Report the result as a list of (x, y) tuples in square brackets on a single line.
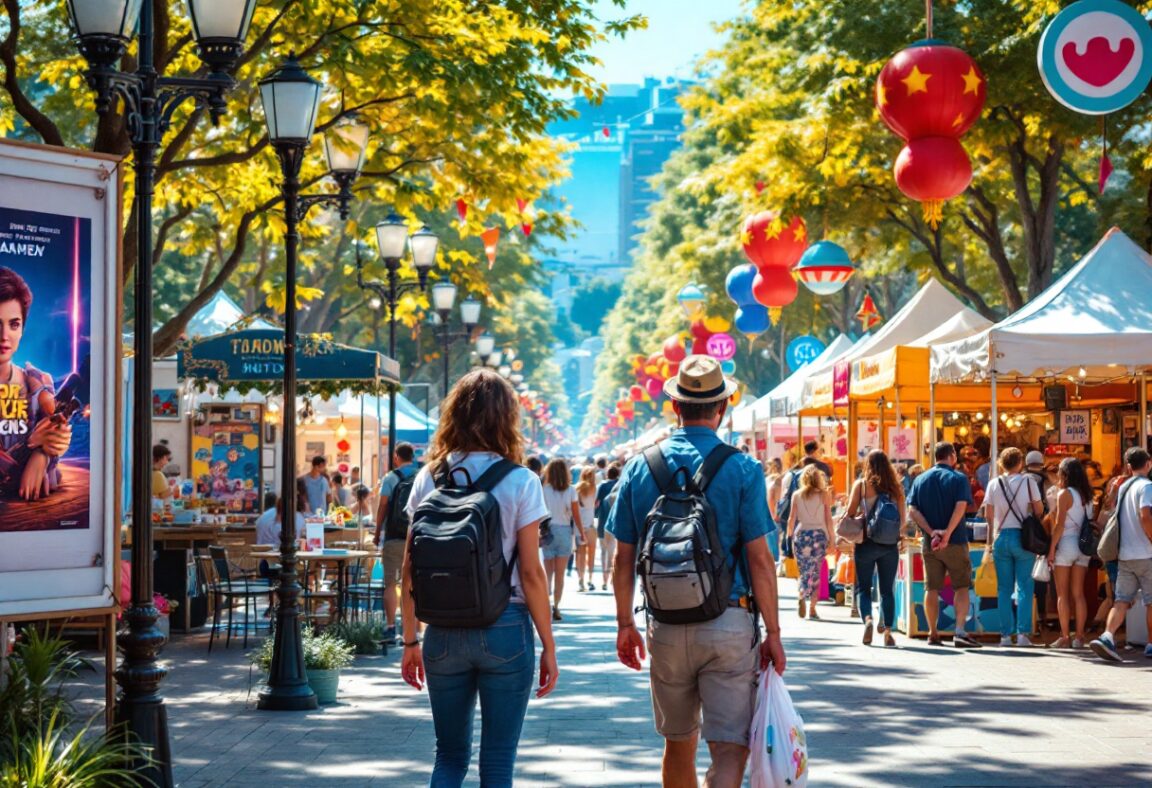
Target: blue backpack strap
[(712, 464)]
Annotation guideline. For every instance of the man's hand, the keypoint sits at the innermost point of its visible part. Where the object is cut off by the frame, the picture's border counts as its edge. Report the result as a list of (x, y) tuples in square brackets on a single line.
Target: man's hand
[(772, 653), (51, 438), (630, 647), (376, 539), (34, 479)]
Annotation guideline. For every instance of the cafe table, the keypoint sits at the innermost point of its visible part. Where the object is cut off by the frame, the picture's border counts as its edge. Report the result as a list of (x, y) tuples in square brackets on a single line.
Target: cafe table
[(339, 558)]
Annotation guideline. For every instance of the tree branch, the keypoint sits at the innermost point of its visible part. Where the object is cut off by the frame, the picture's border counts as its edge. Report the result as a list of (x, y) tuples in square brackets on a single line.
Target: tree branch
[(182, 213), (39, 122)]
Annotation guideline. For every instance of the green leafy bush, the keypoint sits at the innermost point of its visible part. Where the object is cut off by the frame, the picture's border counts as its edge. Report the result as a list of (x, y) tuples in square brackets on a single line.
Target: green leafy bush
[(321, 652), (362, 636)]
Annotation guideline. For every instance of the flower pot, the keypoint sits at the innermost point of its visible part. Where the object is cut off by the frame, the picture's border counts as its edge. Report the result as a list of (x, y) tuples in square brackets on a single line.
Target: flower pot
[(324, 683)]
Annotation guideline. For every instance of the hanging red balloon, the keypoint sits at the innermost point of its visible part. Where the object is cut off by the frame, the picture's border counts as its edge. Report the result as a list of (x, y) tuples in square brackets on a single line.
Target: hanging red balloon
[(637, 393), (774, 288), (699, 330), (931, 94), (769, 241), (654, 388), (674, 348)]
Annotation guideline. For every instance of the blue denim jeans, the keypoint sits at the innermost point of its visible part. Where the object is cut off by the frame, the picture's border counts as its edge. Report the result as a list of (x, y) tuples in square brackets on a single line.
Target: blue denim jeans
[(885, 559), (1013, 573), (495, 664)]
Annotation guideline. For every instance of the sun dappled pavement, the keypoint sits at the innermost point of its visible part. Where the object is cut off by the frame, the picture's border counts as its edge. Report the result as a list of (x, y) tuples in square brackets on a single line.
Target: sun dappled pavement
[(915, 716)]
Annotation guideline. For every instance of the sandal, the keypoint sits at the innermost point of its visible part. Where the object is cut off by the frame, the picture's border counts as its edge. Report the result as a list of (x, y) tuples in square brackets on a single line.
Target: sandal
[(802, 609), (889, 641), (935, 641), (1062, 643), (812, 615), (868, 632)]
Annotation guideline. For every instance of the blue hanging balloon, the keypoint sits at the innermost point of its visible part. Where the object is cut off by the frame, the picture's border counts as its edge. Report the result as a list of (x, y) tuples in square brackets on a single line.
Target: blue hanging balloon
[(752, 320), (739, 284), (728, 367)]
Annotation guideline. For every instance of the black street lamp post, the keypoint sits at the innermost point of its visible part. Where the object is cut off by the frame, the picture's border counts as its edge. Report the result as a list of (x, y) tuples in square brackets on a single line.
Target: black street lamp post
[(443, 299), (103, 30), (291, 100), (391, 237)]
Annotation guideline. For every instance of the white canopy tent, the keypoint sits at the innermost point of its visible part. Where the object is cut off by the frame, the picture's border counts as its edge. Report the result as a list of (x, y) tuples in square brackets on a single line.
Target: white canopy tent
[(793, 385), (1097, 316)]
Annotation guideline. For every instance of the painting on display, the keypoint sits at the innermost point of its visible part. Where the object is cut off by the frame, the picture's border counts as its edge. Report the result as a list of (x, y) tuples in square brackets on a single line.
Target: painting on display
[(165, 404), (59, 368), (226, 464)]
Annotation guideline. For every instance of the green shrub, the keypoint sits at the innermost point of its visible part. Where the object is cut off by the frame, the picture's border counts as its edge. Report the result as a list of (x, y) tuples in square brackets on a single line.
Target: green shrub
[(362, 636), (321, 652)]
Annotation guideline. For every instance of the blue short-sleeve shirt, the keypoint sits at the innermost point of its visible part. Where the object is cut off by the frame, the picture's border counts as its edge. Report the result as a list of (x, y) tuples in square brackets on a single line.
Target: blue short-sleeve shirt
[(935, 494), (737, 494)]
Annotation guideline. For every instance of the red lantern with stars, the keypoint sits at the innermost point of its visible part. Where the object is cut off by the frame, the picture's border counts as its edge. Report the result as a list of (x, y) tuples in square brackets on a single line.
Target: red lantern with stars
[(930, 94), (769, 242), (774, 288)]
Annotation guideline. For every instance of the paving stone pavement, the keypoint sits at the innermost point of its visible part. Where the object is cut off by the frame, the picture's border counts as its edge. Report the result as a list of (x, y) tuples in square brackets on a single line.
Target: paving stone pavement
[(911, 716)]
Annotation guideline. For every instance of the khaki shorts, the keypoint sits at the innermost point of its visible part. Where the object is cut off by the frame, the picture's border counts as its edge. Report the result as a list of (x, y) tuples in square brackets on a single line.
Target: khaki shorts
[(1134, 576), (953, 559), (392, 556), (704, 670)]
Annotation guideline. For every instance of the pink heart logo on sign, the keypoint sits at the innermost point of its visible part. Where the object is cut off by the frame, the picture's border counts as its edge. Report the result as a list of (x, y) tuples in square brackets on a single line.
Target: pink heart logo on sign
[(1099, 65), (721, 347)]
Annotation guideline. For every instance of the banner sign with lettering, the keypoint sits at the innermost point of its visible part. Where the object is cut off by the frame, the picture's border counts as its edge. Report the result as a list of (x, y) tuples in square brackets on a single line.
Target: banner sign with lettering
[(1076, 427), (257, 354), (841, 383), (59, 361)]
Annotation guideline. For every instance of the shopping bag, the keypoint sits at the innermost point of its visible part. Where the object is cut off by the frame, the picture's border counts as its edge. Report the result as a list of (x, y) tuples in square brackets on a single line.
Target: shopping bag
[(791, 568), (845, 571), (986, 580), (1041, 572), (778, 747)]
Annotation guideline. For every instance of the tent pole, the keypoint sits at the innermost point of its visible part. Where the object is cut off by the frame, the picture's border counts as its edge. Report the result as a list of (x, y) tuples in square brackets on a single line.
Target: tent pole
[(359, 514), (994, 451), (1143, 410), (850, 466), (928, 451), (919, 428), (379, 440)]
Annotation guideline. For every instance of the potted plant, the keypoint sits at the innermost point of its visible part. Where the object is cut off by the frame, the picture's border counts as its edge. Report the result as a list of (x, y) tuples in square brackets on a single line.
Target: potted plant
[(324, 656)]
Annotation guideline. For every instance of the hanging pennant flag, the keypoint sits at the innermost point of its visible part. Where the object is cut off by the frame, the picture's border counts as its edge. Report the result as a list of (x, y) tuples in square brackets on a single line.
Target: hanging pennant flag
[(760, 186), (490, 237), (1105, 162), (521, 204), (462, 209), (868, 315), (526, 228)]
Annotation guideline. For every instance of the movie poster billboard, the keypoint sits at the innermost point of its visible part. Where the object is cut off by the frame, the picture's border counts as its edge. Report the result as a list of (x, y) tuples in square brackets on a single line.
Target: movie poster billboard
[(59, 351)]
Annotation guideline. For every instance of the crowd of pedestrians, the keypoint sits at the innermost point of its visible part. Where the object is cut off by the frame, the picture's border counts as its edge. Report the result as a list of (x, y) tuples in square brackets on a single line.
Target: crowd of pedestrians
[(696, 524)]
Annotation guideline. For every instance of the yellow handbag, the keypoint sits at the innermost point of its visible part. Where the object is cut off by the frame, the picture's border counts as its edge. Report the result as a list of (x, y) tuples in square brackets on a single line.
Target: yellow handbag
[(986, 580), (791, 568)]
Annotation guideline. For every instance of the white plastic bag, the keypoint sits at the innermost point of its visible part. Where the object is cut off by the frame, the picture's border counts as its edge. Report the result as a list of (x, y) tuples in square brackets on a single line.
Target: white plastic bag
[(779, 749), (1041, 572)]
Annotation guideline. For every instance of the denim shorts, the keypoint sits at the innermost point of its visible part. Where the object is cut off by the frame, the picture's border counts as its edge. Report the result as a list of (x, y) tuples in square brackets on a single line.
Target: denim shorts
[(562, 542), (1134, 576)]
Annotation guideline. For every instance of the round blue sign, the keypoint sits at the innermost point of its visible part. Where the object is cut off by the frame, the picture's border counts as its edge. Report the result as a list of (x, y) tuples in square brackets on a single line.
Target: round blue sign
[(803, 350), (1096, 56)]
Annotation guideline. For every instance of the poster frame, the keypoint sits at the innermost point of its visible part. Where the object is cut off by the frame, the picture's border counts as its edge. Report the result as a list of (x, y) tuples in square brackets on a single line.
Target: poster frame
[(104, 174)]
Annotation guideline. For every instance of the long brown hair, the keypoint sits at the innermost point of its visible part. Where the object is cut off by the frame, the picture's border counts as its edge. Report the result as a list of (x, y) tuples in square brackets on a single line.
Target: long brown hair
[(480, 413), (881, 476), (557, 475)]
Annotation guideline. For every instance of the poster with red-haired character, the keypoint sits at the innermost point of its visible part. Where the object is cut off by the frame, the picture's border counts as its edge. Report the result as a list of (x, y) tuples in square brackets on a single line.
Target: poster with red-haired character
[(60, 340)]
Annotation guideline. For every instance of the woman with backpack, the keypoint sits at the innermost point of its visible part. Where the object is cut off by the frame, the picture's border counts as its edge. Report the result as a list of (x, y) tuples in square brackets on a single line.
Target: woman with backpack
[(564, 509), (586, 553), (878, 486), (1069, 565), (1011, 497), (810, 529), (479, 428)]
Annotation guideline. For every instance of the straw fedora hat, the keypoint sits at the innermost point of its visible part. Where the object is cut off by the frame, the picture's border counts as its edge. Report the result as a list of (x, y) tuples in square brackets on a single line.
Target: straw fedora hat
[(700, 380)]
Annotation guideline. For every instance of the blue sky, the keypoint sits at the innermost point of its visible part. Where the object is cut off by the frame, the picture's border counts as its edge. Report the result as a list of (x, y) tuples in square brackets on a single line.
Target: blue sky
[(679, 31)]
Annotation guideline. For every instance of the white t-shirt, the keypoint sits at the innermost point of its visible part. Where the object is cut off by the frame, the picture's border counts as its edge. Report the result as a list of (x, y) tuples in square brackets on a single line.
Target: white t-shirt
[(1018, 488), (518, 494), (588, 510), (1134, 544), (559, 504), (268, 527)]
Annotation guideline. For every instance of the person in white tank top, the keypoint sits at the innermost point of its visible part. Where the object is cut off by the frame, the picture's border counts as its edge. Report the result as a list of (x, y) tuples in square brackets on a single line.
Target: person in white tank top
[(1073, 510)]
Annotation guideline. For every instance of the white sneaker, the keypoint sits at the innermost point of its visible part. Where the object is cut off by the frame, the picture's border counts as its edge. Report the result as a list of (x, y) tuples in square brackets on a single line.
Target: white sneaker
[(1005, 642), (1077, 643), (1022, 641)]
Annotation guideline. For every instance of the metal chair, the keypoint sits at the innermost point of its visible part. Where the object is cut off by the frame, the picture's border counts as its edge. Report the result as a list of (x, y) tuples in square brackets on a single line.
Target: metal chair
[(365, 586), (232, 585)]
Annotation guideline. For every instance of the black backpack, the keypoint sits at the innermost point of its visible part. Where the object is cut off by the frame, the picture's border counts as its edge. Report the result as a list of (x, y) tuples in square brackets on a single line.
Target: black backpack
[(459, 575), (784, 505), (396, 527), (684, 571)]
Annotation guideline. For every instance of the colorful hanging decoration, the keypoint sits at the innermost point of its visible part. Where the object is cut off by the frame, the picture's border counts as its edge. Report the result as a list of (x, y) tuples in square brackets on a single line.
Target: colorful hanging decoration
[(691, 299), (868, 314), (773, 247), (490, 237), (462, 209), (930, 94), (825, 268), (1095, 57), (752, 320), (674, 349), (527, 216)]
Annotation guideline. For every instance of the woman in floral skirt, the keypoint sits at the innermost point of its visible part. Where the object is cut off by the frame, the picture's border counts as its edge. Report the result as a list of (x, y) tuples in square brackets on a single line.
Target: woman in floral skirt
[(810, 529)]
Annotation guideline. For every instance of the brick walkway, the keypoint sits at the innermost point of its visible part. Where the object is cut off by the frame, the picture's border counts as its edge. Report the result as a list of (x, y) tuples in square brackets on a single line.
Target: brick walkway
[(912, 716)]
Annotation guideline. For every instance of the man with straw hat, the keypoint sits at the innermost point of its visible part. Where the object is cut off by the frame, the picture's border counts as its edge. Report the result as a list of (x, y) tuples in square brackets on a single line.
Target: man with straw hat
[(704, 674)]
